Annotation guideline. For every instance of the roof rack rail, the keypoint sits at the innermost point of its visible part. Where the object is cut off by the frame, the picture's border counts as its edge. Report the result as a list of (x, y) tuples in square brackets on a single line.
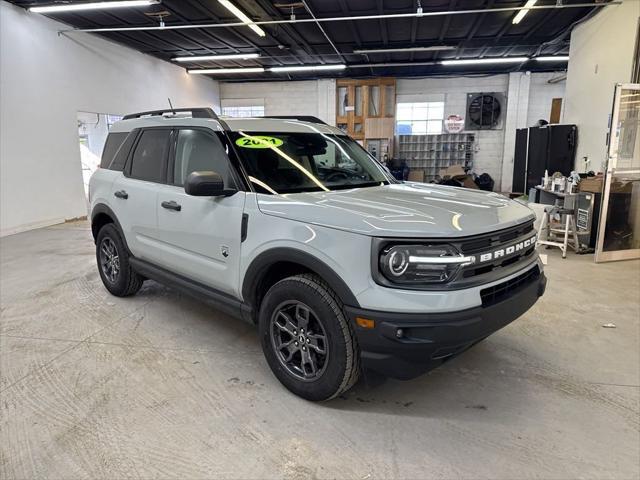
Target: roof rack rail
[(205, 112), (302, 118)]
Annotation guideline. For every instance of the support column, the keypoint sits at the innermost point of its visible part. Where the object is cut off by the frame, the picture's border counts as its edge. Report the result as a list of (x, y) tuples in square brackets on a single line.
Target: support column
[(517, 110)]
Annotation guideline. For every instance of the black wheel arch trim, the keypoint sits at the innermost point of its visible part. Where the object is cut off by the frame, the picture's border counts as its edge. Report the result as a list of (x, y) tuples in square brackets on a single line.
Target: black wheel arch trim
[(261, 264), (101, 208)]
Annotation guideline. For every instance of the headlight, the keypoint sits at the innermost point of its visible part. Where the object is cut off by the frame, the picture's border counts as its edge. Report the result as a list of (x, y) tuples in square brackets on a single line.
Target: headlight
[(421, 264)]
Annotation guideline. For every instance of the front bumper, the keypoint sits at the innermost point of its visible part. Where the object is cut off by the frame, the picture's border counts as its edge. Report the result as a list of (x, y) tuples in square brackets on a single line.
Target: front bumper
[(428, 340)]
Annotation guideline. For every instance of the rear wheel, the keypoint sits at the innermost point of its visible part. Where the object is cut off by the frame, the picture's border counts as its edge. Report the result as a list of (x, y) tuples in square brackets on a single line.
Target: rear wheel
[(309, 344), (113, 263)]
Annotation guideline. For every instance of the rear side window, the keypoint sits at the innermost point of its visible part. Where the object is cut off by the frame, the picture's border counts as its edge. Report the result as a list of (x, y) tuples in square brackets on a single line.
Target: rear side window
[(198, 150), (150, 156), (114, 140), (120, 159)]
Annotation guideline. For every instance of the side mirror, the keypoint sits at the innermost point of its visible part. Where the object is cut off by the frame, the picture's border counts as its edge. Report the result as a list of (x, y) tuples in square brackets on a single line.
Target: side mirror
[(206, 184)]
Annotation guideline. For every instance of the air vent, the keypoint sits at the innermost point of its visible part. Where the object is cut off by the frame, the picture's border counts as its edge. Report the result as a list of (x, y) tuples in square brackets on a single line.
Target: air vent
[(485, 111)]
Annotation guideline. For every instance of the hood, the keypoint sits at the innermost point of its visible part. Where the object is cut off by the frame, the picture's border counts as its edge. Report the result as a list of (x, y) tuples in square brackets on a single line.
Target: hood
[(401, 210)]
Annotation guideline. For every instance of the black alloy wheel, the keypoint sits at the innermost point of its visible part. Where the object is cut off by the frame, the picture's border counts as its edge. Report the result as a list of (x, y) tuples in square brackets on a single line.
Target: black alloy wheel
[(299, 340)]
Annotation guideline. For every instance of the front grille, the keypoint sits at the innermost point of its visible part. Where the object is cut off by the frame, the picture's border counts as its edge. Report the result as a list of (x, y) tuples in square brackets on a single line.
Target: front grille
[(502, 291), (482, 243), (492, 241)]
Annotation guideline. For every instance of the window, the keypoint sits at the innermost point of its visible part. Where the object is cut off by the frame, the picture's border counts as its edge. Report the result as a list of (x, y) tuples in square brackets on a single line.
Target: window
[(114, 140), (419, 118), (249, 111), (111, 119), (197, 151), (122, 153), (288, 162), (149, 157)]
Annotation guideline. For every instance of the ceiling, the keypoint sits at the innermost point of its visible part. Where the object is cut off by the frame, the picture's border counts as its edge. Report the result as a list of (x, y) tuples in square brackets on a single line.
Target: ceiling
[(472, 35)]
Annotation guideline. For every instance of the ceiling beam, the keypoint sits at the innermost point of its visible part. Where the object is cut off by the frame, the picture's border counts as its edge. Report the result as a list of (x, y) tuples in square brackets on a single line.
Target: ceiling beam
[(445, 26), (383, 25), (352, 25), (474, 29), (242, 37), (352, 18), (293, 36)]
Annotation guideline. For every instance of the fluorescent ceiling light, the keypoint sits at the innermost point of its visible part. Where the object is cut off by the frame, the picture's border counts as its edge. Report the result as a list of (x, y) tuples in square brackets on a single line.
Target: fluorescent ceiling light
[(232, 56), (437, 48), (524, 11), (472, 61), (72, 7), (222, 71), (241, 15), (556, 58), (308, 68)]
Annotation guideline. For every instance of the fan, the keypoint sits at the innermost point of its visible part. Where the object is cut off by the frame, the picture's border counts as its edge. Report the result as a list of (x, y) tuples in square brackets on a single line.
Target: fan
[(484, 111)]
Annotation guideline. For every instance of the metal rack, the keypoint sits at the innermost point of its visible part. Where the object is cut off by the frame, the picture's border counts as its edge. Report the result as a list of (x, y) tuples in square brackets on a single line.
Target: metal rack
[(433, 153)]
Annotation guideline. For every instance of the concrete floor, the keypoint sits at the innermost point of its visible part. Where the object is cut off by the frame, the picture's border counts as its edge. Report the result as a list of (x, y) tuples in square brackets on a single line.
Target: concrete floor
[(160, 385)]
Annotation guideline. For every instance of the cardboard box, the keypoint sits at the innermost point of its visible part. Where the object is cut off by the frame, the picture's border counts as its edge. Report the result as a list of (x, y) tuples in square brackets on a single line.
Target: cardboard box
[(468, 182), (453, 171), (592, 184), (416, 175)]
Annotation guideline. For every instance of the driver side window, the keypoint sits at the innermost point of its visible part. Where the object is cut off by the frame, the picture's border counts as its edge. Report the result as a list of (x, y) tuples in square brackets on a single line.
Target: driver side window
[(199, 150)]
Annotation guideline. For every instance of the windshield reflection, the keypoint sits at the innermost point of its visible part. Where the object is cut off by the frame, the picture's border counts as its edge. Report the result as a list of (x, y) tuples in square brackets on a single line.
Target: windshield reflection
[(291, 162)]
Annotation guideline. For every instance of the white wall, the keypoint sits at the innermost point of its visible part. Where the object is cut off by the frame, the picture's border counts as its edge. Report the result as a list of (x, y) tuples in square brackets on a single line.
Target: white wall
[(528, 100), (45, 79), (601, 55), (310, 97), (488, 158), (541, 94)]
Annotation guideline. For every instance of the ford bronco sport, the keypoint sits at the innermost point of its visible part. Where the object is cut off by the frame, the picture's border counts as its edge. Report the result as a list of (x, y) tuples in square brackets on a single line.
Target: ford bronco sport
[(290, 224)]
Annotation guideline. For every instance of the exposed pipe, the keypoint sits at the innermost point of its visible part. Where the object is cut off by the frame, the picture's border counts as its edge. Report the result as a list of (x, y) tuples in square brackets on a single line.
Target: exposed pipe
[(340, 19), (322, 30), (394, 64), (558, 79)]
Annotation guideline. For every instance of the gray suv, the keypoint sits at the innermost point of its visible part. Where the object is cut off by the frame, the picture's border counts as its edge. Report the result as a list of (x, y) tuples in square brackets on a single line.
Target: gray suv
[(291, 225)]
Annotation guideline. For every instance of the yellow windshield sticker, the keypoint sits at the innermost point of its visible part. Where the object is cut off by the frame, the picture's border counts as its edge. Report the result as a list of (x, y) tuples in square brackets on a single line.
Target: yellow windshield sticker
[(259, 141)]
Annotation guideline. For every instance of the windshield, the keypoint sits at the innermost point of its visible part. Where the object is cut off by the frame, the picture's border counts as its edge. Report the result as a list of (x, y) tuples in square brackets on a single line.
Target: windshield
[(286, 162)]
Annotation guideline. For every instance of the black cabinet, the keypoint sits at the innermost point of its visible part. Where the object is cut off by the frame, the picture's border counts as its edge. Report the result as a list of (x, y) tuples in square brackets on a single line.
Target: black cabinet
[(551, 148)]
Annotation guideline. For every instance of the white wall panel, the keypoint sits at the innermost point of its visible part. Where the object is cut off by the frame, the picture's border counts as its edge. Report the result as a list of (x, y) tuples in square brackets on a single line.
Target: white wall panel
[(45, 79), (601, 55), (312, 97)]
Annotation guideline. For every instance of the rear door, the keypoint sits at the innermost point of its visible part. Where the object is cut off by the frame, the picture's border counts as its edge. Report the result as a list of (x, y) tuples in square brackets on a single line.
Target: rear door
[(201, 235), (135, 193)]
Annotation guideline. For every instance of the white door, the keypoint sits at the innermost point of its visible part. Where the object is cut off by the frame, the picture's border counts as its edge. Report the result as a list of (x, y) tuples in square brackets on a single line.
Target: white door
[(200, 236), (135, 193)]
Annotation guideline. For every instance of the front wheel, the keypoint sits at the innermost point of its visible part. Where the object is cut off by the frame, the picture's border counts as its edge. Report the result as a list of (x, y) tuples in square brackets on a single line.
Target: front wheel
[(307, 341), (113, 263)]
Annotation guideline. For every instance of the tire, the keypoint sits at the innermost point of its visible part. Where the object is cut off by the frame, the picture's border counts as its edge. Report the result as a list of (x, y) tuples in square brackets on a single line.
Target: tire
[(287, 306), (124, 282)]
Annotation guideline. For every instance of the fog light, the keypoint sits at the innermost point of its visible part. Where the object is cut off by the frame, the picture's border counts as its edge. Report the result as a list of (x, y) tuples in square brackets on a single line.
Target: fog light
[(399, 333)]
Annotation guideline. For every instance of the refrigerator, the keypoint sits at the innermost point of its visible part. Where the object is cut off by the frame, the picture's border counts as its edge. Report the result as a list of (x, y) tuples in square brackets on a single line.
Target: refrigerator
[(551, 148)]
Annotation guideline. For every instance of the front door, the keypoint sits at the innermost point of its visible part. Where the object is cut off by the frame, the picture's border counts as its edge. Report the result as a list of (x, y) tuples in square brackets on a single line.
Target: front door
[(200, 236)]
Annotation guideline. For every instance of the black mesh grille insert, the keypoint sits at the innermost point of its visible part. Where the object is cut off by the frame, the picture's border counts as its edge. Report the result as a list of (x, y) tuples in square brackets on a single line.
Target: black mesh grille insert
[(497, 293), (492, 241), (488, 241)]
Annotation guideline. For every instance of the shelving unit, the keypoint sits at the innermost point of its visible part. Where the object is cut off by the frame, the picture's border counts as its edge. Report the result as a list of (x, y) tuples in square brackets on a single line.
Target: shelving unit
[(433, 153)]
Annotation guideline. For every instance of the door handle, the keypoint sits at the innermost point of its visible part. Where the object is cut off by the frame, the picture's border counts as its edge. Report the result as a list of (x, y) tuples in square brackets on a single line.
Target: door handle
[(122, 194), (172, 206)]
